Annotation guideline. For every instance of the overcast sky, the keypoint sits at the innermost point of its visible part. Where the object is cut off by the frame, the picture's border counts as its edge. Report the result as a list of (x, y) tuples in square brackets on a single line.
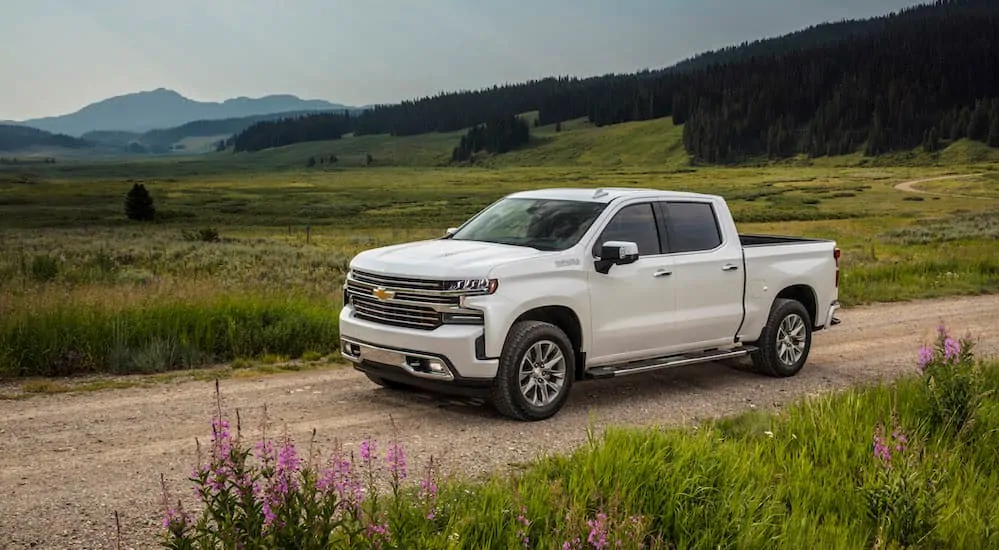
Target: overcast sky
[(59, 55)]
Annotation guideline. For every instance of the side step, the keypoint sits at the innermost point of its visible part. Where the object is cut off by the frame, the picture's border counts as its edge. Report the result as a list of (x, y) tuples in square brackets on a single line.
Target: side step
[(646, 365), (835, 321)]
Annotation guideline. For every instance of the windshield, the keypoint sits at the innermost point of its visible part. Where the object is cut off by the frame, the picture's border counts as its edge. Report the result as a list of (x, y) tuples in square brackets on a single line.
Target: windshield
[(544, 224)]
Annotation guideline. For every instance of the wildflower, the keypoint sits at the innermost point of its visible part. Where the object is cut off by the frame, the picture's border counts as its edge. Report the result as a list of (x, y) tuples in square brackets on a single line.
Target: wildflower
[(368, 450), (522, 533), (396, 459), (952, 349), (881, 449), (598, 531), (925, 357)]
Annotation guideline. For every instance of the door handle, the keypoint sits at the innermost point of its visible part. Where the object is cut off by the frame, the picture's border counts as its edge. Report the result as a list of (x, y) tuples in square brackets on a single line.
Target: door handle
[(730, 267), (662, 273)]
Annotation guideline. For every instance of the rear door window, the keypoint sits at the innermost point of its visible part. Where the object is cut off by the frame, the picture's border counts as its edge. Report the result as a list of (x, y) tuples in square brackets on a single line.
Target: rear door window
[(692, 227)]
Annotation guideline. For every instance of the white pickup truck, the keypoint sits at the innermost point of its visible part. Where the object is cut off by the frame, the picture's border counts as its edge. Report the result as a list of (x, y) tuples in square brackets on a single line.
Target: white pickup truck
[(548, 287)]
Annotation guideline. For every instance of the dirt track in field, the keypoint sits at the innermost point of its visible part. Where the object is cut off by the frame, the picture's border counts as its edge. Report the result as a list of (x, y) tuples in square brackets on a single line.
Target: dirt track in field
[(910, 186), (69, 461)]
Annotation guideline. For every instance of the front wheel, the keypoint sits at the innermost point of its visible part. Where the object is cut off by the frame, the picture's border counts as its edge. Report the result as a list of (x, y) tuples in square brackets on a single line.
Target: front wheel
[(535, 372), (786, 340)]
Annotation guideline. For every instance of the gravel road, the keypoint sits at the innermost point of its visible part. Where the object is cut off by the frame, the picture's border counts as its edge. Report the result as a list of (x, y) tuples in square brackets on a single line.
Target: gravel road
[(69, 461)]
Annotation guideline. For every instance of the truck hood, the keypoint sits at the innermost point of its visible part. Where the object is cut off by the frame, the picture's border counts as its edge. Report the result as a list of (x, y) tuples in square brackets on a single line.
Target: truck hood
[(444, 258)]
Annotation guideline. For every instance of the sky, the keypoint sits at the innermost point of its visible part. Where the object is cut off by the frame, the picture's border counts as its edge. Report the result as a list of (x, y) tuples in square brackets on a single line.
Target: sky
[(60, 55)]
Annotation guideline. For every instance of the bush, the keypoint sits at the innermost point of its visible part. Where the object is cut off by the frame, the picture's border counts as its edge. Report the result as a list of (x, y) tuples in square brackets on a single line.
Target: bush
[(44, 268), (205, 234), (900, 489), (952, 381), (139, 204)]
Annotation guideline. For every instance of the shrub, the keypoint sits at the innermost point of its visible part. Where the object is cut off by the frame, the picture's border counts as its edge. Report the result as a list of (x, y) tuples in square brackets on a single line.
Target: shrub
[(44, 268), (900, 491), (205, 234), (139, 204), (952, 381)]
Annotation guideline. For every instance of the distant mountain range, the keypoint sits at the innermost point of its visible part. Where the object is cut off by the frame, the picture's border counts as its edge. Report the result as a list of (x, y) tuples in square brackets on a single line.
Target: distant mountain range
[(162, 108)]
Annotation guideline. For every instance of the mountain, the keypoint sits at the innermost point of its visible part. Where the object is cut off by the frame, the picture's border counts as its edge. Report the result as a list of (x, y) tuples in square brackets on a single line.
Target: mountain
[(916, 77), (164, 140), (162, 108), (19, 138)]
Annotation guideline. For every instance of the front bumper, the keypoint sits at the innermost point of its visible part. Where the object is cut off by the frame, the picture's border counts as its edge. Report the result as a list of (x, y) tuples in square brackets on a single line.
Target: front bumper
[(449, 356)]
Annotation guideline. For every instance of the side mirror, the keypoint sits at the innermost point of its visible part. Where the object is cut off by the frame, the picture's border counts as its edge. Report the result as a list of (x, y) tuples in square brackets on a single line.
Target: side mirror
[(450, 231), (616, 253)]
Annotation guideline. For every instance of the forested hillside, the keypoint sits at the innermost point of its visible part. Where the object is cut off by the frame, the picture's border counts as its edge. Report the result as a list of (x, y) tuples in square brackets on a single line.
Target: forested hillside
[(17, 138), (918, 77)]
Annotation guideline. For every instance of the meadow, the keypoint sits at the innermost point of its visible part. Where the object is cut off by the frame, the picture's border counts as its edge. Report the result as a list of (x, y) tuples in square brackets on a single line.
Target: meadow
[(248, 252)]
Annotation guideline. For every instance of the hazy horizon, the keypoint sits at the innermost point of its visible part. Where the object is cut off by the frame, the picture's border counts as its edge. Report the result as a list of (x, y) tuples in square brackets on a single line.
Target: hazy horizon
[(73, 53)]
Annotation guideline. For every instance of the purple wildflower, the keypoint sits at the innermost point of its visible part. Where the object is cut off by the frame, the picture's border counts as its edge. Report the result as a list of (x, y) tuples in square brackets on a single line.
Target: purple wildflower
[(378, 533), (174, 519), (952, 349), (925, 357), (598, 531), (941, 330), (522, 533), (288, 460), (881, 449), (368, 451), (571, 544), (396, 459)]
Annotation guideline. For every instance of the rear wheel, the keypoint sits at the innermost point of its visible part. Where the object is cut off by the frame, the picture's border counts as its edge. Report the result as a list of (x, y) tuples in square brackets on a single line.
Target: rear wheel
[(786, 340), (535, 372)]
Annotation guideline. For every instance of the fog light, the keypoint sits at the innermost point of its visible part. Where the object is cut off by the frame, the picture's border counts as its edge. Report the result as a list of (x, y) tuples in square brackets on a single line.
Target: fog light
[(436, 366)]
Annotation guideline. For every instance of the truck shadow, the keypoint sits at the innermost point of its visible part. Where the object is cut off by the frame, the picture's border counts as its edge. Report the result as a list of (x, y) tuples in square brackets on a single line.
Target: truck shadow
[(708, 381)]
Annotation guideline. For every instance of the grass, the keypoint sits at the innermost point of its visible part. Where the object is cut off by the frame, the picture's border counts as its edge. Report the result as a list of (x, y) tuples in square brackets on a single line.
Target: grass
[(97, 288), (809, 476)]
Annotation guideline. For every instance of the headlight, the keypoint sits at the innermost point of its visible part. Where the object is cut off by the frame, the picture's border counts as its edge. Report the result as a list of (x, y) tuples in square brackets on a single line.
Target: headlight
[(472, 286)]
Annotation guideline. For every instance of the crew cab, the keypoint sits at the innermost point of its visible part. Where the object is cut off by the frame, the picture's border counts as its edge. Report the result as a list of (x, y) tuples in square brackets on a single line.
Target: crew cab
[(545, 288)]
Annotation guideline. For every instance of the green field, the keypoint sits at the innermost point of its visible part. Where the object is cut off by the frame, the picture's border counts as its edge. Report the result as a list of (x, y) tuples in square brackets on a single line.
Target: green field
[(82, 286)]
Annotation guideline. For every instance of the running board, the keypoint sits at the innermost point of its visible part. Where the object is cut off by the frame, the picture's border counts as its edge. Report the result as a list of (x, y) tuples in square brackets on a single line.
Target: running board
[(637, 367)]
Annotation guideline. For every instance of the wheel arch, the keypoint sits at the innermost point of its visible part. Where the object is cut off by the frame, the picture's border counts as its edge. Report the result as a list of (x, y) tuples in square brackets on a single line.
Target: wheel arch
[(803, 294), (568, 322)]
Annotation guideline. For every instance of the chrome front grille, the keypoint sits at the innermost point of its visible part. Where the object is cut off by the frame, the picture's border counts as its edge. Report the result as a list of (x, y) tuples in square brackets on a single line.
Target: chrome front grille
[(414, 303)]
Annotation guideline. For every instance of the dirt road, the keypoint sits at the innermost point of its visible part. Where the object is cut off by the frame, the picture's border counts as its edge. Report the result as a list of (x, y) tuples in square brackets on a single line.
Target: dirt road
[(67, 462), (910, 186)]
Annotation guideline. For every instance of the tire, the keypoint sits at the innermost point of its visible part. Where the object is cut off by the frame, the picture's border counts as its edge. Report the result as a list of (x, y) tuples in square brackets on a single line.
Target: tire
[(530, 341), (774, 359), (389, 384)]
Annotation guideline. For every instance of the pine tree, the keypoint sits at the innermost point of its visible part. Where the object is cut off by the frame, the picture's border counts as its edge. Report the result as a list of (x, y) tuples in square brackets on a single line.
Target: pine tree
[(993, 140), (139, 204)]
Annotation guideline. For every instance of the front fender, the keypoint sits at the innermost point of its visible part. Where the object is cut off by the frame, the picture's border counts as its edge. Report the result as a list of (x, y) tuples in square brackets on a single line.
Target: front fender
[(519, 297)]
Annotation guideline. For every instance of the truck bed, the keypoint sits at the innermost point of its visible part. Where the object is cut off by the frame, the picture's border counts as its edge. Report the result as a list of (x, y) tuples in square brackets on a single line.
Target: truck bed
[(774, 240)]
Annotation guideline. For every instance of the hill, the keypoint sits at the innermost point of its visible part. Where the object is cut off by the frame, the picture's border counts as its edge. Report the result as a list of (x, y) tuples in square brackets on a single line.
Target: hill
[(891, 83), (20, 138), (162, 108), (177, 138)]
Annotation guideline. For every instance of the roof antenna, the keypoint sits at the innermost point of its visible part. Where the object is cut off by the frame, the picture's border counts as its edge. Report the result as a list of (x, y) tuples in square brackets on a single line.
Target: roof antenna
[(599, 193)]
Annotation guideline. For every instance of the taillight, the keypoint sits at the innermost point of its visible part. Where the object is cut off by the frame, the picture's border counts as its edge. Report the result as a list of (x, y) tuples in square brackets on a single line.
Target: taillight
[(836, 255)]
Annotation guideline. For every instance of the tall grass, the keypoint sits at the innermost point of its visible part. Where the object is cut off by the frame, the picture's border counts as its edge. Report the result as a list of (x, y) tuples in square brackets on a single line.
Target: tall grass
[(865, 468), (159, 335)]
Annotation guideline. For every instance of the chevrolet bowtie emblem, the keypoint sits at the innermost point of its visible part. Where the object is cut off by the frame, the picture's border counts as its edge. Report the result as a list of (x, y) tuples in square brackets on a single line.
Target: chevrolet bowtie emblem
[(383, 294)]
